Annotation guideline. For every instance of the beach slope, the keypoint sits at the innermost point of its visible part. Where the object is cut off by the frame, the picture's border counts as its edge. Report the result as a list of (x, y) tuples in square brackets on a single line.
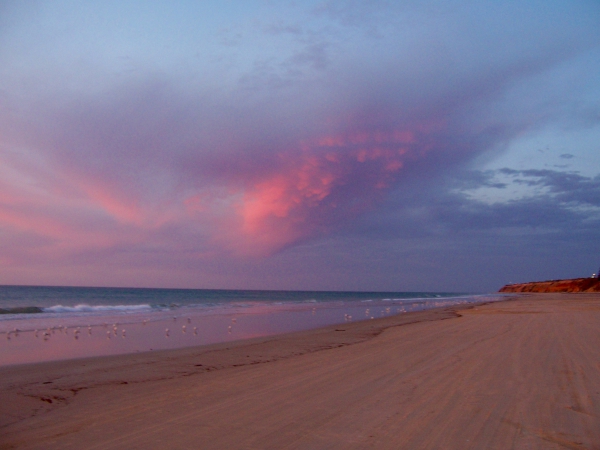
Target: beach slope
[(523, 373)]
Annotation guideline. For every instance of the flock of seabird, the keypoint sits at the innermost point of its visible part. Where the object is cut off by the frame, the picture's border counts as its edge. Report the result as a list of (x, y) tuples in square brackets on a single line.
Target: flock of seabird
[(114, 331)]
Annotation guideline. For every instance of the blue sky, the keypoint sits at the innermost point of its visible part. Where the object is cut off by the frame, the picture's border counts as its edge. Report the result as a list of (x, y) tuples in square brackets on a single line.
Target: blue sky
[(443, 146)]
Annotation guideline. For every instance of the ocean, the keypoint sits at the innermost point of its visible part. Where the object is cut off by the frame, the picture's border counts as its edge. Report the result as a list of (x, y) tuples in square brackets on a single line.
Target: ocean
[(39, 323)]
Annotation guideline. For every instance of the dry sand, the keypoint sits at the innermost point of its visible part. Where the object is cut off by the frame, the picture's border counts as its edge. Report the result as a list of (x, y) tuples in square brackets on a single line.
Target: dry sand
[(521, 374)]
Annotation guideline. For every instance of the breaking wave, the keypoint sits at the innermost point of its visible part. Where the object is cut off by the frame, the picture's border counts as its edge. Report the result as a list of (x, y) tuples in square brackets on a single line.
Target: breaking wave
[(96, 308)]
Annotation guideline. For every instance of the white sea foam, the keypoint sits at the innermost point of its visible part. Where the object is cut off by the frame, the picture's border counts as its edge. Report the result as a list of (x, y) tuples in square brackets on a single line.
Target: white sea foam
[(82, 308)]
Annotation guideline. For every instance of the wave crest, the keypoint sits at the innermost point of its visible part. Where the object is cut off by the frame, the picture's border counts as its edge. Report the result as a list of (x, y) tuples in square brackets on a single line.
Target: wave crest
[(96, 308)]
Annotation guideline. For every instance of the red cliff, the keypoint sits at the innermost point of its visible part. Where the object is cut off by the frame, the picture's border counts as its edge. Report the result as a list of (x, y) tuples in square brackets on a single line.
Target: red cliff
[(574, 285)]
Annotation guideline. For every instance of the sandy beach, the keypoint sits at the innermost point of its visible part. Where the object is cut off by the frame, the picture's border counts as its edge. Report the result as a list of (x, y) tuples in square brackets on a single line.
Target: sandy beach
[(522, 374)]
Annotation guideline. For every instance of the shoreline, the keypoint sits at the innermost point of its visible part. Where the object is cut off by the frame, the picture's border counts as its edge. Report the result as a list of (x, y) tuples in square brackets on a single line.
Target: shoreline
[(360, 330), (56, 404), (33, 339)]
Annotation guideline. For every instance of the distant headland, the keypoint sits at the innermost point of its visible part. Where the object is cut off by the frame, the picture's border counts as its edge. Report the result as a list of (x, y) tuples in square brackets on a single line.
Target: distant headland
[(573, 285)]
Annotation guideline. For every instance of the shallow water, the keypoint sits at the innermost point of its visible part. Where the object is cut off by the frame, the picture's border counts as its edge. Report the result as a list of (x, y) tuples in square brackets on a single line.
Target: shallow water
[(74, 331)]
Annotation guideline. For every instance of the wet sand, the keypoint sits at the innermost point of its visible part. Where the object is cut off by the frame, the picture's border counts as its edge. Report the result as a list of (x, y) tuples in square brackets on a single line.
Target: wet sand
[(523, 374)]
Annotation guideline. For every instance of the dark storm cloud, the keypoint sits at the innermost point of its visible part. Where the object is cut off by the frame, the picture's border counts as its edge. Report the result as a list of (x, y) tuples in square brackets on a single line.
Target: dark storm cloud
[(568, 205)]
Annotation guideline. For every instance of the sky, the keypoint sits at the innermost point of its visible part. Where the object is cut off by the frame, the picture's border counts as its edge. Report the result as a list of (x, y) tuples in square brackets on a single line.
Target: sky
[(314, 145)]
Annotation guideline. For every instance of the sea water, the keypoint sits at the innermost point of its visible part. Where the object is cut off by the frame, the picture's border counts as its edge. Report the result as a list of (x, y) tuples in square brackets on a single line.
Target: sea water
[(40, 323)]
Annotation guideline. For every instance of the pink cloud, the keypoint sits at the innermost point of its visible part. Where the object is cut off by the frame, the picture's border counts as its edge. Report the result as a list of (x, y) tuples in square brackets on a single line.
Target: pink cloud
[(120, 209), (326, 182), (254, 195), (63, 214)]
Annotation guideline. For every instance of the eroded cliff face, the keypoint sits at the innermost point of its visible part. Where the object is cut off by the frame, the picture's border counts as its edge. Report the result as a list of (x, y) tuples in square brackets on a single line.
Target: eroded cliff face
[(574, 285)]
